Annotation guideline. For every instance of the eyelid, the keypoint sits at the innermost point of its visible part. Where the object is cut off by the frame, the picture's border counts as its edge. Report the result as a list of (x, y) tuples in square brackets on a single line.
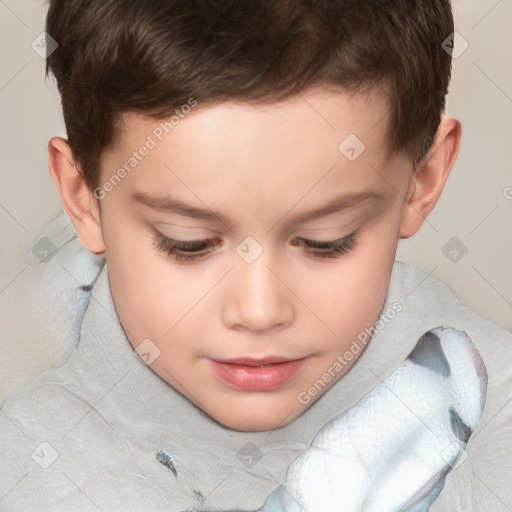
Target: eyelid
[(211, 241), (192, 250), (196, 244), (181, 230)]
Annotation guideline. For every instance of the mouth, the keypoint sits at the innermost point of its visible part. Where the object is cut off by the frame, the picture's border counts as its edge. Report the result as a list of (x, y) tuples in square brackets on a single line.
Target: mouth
[(247, 374)]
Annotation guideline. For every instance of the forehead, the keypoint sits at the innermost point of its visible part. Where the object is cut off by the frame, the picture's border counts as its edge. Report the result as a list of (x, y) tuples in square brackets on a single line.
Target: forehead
[(271, 154), (317, 112)]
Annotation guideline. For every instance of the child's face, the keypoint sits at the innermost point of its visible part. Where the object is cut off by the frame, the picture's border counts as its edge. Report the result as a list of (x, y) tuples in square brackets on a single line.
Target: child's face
[(258, 292)]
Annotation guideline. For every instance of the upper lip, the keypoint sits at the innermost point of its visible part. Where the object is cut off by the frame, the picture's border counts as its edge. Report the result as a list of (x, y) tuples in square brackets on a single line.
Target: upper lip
[(249, 361)]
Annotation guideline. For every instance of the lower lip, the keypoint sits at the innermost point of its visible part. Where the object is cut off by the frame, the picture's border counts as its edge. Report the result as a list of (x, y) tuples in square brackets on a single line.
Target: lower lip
[(256, 378)]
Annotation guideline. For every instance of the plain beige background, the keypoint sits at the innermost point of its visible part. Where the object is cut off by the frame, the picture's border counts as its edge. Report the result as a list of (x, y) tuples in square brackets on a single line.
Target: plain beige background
[(474, 213)]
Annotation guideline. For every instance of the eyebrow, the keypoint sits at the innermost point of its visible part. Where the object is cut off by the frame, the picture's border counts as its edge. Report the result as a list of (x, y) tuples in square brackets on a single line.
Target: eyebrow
[(174, 205)]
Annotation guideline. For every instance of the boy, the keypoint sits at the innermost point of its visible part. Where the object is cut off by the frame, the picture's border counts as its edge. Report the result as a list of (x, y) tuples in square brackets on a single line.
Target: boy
[(247, 169)]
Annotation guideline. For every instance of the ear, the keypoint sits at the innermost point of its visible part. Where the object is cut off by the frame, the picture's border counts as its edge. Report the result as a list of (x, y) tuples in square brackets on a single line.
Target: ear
[(430, 177), (77, 199)]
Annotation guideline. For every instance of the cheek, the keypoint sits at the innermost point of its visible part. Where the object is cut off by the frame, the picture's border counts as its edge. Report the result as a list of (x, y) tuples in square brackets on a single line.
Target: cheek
[(143, 289), (154, 297), (348, 296)]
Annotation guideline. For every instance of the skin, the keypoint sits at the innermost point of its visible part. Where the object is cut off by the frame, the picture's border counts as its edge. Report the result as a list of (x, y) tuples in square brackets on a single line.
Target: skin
[(258, 166)]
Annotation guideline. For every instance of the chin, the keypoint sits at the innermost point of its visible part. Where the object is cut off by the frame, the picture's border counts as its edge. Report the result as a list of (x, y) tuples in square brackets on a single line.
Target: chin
[(256, 422)]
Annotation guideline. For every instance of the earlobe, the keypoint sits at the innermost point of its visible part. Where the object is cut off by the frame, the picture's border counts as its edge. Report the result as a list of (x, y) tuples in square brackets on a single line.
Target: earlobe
[(430, 177), (76, 197)]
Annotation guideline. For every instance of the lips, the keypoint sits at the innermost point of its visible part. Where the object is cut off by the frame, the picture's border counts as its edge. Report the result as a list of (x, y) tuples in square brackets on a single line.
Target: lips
[(248, 361), (248, 374)]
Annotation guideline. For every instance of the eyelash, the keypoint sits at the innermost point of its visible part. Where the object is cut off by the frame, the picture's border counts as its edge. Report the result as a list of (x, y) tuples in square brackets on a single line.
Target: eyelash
[(336, 248)]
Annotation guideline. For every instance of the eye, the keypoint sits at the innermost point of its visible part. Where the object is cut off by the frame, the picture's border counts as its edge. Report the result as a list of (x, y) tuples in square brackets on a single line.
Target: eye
[(195, 249), (334, 249), (178, 250)]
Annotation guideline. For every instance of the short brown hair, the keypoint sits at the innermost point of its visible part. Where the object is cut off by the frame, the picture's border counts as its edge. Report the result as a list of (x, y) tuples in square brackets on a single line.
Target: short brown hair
[(152, 56)]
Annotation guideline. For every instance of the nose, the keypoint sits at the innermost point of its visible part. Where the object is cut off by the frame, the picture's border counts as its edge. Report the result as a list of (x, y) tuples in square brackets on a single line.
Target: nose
[(257, 298)]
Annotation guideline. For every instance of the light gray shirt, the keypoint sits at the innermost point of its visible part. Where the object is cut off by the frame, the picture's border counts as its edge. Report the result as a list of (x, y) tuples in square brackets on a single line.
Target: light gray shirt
[(104, 432)]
